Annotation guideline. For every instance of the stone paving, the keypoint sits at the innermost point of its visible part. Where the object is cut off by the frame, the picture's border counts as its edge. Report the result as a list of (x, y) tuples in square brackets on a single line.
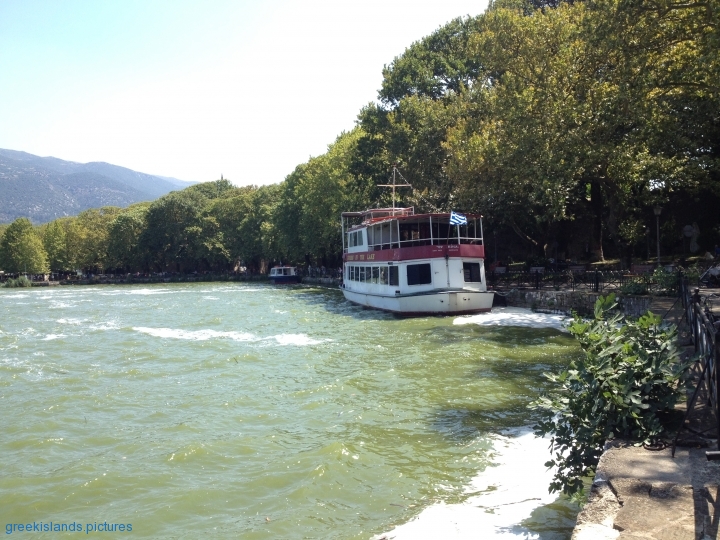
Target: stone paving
[(645, 494)]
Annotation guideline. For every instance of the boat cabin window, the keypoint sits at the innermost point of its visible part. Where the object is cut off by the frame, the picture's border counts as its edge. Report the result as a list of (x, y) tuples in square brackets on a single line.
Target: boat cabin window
[(355, 239), (419, 274), (471, 272), (394, 274), (383, 275)]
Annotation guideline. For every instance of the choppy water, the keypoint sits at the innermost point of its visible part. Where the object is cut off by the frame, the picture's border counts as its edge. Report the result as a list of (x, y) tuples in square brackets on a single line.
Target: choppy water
[(258, 412)]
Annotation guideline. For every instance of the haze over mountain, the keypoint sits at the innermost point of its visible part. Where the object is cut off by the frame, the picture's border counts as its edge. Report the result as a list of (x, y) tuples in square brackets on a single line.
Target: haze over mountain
[(46, 188)]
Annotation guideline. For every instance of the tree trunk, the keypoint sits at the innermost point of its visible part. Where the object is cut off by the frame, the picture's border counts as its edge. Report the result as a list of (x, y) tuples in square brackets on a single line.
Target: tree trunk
[(596, 204)]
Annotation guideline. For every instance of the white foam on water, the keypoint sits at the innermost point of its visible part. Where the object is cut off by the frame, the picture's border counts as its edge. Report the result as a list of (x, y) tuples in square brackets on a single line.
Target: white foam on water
[(51, 337), (74, 322), (61, 305), (107, 325), (194, 335), (300, 340), (147, 292), (503, 495), (513, 316), (17, 295)]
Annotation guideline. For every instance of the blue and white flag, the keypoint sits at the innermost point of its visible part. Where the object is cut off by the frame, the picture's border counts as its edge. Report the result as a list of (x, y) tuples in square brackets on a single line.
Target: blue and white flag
[(457, 219)]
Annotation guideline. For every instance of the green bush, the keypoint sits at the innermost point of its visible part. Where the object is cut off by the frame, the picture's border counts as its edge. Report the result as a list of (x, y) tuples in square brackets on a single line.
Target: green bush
[(633, 287), (692, 273), (665, 283), (628, 377), (22, 281)]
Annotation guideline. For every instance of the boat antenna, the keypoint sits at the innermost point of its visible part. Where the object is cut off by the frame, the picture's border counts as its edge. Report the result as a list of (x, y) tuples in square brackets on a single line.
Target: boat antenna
[(395, 185)]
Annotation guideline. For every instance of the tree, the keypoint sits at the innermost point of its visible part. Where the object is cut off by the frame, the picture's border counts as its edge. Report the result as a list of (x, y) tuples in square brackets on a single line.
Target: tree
[(55, 243), (92, 235), (306, 219), (124, 249), (21, 250), (435, 66), (170, 237)]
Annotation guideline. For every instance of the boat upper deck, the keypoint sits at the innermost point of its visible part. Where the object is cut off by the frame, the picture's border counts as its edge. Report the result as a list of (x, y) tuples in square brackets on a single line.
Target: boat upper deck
[(398, 228)]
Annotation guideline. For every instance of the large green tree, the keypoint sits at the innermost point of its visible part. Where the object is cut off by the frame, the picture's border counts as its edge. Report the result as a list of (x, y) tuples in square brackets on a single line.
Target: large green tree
[(124, 248), (21, 249), (306, 219)]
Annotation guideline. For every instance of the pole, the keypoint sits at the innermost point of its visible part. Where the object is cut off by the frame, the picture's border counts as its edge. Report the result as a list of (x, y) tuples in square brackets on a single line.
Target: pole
[(657, 226), (657, 210)]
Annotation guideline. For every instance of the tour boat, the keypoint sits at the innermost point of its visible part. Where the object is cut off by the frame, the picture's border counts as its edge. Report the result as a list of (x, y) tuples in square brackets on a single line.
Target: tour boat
[(414, 264), (280, 275)]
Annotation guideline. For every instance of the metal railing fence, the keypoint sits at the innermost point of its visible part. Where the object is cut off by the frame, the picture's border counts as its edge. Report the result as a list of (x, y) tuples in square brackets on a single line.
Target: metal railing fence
[(705, 335), (591, 281)]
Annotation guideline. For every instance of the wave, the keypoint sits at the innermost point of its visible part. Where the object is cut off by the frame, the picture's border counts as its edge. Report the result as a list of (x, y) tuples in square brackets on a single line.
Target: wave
[(147, 292), (74, 322), (296, 339), (299, 340), (501, 497), (107, 325), (194, 335), (51, 337), (512, 316)]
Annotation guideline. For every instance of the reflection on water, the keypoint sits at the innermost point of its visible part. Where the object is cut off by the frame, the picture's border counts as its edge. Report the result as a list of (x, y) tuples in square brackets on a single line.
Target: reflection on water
[(262, 412)]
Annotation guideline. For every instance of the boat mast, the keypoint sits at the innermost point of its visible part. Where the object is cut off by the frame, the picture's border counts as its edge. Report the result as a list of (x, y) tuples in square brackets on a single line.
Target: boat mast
[(395, 185)]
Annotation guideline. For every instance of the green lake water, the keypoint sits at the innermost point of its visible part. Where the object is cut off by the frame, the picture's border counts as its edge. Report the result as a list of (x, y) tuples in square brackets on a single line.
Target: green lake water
[(250, 411)]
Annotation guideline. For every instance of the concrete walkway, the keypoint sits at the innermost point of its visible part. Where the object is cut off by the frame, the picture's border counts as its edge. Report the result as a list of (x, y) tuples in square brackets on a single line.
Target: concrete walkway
[(648, 494), (643, 494)]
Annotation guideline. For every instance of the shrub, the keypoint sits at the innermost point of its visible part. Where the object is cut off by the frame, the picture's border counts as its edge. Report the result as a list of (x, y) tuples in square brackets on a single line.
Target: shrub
[(633, 287), (22, 281), (666, 283), (627, 378)]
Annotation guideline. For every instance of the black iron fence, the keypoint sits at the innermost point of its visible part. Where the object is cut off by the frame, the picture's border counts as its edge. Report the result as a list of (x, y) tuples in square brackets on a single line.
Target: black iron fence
[(591, 281), (705, 335)]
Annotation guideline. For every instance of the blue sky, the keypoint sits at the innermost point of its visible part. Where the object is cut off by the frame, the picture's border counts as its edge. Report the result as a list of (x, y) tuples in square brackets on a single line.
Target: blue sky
[(196, 89)]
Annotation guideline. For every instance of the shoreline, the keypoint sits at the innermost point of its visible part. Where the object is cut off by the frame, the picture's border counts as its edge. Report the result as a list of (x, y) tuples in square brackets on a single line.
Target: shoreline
[(210, 278)]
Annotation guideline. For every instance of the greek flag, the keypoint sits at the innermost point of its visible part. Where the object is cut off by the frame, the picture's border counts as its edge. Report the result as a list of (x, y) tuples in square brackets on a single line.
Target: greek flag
[(457, 219)]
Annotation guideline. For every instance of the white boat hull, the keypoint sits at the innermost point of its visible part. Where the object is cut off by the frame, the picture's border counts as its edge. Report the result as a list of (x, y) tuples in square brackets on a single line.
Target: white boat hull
[(455, 302)]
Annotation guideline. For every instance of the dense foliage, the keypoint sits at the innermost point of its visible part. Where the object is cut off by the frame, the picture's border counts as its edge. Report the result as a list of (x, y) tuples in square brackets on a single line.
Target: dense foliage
[(563, 123), (627, 380)]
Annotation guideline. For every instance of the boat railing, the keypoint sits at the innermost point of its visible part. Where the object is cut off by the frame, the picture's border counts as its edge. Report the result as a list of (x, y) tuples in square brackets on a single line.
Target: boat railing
[(416, 242)]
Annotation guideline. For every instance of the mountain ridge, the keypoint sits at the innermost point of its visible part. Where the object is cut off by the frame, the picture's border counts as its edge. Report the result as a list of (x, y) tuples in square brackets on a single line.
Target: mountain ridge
[(46, 188)]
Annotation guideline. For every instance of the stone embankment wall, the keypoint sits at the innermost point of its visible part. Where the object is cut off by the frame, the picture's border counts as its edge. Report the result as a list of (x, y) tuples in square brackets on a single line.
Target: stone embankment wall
[(566, 301), (327, 281)]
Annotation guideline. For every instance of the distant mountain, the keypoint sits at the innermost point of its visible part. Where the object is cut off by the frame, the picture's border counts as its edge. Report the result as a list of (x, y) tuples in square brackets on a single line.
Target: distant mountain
[(46, 188)]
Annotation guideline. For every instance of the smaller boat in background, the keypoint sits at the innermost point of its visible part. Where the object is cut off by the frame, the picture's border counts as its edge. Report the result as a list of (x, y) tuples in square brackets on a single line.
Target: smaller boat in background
[(279, 275)]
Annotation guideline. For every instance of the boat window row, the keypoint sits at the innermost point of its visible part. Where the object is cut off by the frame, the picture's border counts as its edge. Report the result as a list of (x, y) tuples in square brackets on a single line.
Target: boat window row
[(417, 274), (396, 234), (384, 275)]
